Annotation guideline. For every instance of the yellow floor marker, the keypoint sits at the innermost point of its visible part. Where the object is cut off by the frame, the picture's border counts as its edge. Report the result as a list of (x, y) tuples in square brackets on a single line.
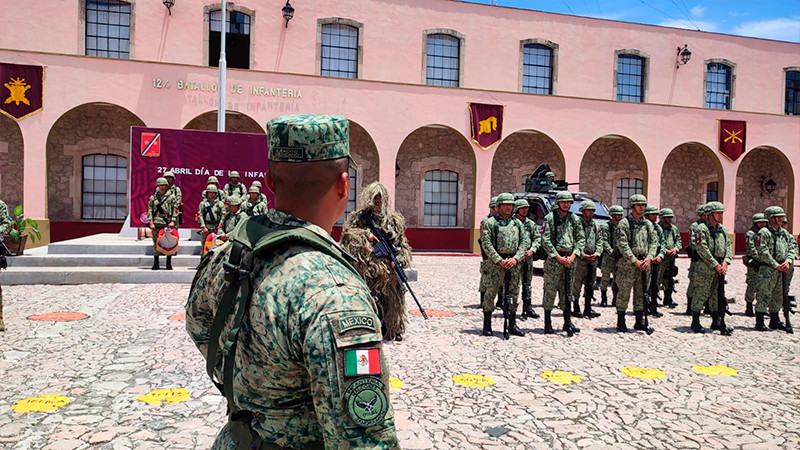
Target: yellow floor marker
[(174, 395), (643, 373), (394, 383), (470, 380), (42, 403), (564, 378), (719, 371)]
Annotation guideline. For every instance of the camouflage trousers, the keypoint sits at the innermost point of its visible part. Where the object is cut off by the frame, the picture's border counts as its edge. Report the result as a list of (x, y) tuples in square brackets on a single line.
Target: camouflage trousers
[(495, 280), (629, 278), (554, 283), (770, 290), (751, 281), (582, 268), (482, 283), (706, 282), (608, 266), (690, 288)]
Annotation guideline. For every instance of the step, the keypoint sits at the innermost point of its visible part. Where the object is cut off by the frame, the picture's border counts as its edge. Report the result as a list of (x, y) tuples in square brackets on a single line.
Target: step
[(94, 275), (98, 260)]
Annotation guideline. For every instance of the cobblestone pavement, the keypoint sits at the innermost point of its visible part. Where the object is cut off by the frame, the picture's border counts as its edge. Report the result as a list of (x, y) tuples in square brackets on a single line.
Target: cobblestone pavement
[(129, 347)]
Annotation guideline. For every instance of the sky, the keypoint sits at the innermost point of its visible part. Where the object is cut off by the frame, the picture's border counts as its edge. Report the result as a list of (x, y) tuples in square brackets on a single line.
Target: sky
[(768, 19)]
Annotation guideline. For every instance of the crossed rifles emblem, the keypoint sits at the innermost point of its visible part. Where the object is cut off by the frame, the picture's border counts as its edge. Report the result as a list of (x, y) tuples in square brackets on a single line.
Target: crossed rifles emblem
[(733, 136)]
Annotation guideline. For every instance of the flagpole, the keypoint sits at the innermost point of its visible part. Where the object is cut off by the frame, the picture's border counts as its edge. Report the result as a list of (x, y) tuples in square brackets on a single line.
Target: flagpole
[(223, 69)]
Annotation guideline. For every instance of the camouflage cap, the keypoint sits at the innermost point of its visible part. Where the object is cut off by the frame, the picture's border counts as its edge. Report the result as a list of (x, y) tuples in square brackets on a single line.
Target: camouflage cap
[(587, 204), (309, 137), (550, 174), (759, 217), (211, 188), (212, 179), (715, 207), (637, 199), (774, 211), (616, 209), (505, 198), (564, 196), (161, 181), (492, 202), (234, 174), (666, 212), (254, 189), (169, 174), (651, 209), (521, 203), (234, 200), (256, 184)]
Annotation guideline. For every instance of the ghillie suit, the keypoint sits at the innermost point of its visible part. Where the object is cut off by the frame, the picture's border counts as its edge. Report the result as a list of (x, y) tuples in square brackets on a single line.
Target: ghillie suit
[(378, 272)]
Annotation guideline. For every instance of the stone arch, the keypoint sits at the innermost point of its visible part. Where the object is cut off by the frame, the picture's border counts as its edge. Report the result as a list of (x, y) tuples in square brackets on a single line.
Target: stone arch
[(685, 174), (92, 128), (12, 157), (608, 159), (519, 154), (365, 153), (235, 122), (434, 147), (771, 163)]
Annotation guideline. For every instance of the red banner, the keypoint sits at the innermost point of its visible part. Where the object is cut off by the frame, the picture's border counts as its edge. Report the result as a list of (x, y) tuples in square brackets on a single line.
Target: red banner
[(732, 138), (21, 94), (487, 124)]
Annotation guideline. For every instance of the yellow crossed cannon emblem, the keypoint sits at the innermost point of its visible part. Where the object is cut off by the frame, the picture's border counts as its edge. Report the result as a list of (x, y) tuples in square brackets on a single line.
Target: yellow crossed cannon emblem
[(17, 88)]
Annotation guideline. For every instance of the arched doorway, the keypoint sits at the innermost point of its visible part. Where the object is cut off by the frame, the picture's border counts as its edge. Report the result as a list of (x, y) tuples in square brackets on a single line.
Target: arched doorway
[(612, 169), (759, 166), (235, 122), (12, 156), (519, 155), (691, 175)]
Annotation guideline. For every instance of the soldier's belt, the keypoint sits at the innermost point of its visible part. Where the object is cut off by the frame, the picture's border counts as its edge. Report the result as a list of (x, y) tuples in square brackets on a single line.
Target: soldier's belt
[(506, 255), (564, 252)]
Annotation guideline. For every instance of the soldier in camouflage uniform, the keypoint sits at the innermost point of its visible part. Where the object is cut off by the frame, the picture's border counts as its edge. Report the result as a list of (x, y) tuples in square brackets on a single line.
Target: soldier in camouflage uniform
[(777, 248), (608, 264), (177, 193), (212, 180), (563, 241), (235, 215), (234, 187), (690, 249), (671, 244), (162, 212), (310, 371), (5, 219), (521, 208), (586, 265), (254, 206), (210, 211), (505, 241), (651, 214), (751, 260), (713, 246), (482, 283), (261, 196), (637, 249)]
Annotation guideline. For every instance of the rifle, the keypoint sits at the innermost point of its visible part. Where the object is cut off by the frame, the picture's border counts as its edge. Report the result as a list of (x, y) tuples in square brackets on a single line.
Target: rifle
[(787, 303), (506, 301), (646, 300), (385, 247), (654, 282), (722, 307), (567, 303)]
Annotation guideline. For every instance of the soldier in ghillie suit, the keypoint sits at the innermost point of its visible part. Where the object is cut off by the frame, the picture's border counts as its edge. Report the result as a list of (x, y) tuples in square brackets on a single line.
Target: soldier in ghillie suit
[(378, 272)]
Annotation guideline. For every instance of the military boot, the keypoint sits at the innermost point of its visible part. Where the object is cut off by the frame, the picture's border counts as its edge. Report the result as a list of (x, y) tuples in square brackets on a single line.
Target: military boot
[(668, 301), (169, 262), (480, 305), (696, 327), (548, 323), (715, 321), (639, 324), (604, 298), (688, 305), (706, 309), (654, 309), (614, 291), (576, 308), (748, 310), (568, 326), (760, 322), (513, 329), (587, 309), (487, 323), (527, 310), (723, 329), (621, 326), (155, 263), (775, 322)]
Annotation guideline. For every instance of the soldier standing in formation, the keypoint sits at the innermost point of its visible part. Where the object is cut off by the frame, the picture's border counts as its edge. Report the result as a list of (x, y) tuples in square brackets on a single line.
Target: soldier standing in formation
[(212, 180), (234, 187), (505, 241), (651, 214), (5, 228), (586, 265), (713, 246), (563, 241), (671, 244), (310, 370), (210, 211), (521, 208), (751, 260), (701, 217), (162, 211), (637, 246), (610, 255), (254, 205), (484, 269), (777, 248), (232, 218), (177, 193)]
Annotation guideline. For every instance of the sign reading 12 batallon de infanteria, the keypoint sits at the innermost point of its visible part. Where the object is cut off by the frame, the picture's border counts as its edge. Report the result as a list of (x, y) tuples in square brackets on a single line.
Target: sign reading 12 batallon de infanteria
[(192, 156), (21, 93)]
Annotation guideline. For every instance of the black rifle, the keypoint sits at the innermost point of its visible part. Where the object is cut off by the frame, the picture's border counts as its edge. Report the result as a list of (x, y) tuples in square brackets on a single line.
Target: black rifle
[(669, 286), (385, 247), (506, 303), (646, 300), (787, 303), (722, 307), (654, 282), (210, 213), (567, 303)]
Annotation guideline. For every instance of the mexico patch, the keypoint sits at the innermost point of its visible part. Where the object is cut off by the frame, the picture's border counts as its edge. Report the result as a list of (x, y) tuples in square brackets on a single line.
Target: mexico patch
[(357, 321), (358, 362), (366, 401)]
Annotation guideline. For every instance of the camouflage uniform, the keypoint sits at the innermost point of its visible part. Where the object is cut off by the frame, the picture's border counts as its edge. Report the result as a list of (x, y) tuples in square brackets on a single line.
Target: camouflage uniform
[(210, 213), (584, 268), (261, 197), (532, 230), (482, 283), (234, 189), (751, 260), (608, 265), (308, 313), (701, 213), (5, 219), (212, 180), (255, 208), (670, 240), (713, 245), (653, 282), (177, 193), (231, 218), (161, 210), (775, 246), (635, 241)]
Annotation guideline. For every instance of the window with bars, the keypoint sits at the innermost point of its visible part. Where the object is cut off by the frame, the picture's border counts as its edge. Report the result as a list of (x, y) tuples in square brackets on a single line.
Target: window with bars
[(441, 198), (339, 51), (630, 78), (792, 93), (537, 69), (712, 192), (104, 187), (108, 28), (237, 39), (718, 86), (625, 188), (351, 199), (442, 60)]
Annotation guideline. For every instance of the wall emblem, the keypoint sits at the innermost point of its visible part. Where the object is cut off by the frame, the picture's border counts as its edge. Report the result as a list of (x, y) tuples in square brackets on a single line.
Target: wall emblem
[(21, 94)]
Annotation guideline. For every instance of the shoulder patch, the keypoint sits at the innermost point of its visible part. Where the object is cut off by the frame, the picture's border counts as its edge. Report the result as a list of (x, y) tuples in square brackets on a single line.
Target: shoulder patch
[(758, 239), (354, 321), (362, 361), (697, 237), (366, 401), (617, 233), (544, 226)]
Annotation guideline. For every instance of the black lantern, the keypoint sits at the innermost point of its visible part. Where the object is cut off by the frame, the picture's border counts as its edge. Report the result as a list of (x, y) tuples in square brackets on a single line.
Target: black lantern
[(768, 185), (169, 4), (288, 12), (683, 57)]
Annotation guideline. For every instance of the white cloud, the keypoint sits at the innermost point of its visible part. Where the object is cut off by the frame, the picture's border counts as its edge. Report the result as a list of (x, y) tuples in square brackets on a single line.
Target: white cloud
[(698, 11), (683, 23), (779, 29)]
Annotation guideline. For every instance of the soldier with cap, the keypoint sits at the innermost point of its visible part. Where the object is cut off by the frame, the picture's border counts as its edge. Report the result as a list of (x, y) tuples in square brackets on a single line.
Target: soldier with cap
[(563, 241), (586, 265), (670, 244), (232, 218), (713, 246), (521, 208), (550, 176), (777, 248), (254, 206), (637, 247), (162, 212), (693, 257), (505, 241), (651, 214), (234, 187), (210, 211), (608, 265), (212, 180), (261, 196), (483, 268), (309, 366), (751, 261), (177, 193)]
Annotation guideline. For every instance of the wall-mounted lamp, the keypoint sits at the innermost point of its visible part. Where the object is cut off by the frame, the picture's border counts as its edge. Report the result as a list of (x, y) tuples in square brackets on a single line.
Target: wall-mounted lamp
[(768, 185), (288, 12), (169, 4), (683, 57)]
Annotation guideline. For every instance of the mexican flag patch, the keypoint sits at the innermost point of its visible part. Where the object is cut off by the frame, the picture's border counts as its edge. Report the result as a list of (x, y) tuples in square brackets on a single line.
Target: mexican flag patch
[(362, 362)]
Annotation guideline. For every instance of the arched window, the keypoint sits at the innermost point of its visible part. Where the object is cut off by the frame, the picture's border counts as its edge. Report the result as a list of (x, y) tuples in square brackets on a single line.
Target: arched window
[(104, 187), (441, 198), (339, 51), (237, 39), (625, 188), (537, 69), (108, 28), (351, 199), (443, 60), (719, 88)]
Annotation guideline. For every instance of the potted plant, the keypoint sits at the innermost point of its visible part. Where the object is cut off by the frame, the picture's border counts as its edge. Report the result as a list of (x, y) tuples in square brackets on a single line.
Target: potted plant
[(21, 228)]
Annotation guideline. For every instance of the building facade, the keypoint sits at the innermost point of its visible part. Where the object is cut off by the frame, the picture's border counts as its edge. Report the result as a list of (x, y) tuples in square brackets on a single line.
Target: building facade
[(608, 104)]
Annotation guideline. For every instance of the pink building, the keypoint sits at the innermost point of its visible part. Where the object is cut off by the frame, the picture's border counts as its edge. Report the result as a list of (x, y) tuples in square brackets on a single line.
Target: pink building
[(605, 103)]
